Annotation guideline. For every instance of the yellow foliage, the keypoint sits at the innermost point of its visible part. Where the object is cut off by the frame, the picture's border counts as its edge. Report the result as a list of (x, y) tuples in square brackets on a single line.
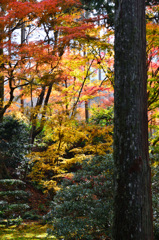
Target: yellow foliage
[(71, 142), (29, 230)]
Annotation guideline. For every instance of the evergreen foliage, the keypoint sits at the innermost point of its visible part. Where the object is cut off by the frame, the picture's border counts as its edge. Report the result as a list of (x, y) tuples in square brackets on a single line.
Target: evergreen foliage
[(155, 194), (14, 138), (82, 209), (14, 200), (101, 7)]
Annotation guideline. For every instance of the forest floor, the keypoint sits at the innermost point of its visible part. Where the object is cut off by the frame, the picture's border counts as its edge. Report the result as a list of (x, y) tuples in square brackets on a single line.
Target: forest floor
[(27, 230), (32, 227)]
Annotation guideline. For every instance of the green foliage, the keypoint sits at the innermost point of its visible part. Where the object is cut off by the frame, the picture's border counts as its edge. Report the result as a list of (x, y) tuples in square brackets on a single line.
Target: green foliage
[(103, 116), (17, 221), (16, 194), (14, 198), (102, 7), (154, 139), (14, 138), (10, 211), (12, 183), (155, 194), (82, 209), (3, 205), (9, 222), (31, 215), (18, 206)]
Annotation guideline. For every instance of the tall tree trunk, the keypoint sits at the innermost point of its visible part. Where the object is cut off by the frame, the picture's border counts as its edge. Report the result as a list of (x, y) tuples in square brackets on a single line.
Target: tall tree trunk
[(22, 41), (132, 200), (3, 170)]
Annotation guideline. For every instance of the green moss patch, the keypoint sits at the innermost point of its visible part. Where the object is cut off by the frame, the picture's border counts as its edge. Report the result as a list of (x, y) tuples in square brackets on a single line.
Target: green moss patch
[(30, 230)]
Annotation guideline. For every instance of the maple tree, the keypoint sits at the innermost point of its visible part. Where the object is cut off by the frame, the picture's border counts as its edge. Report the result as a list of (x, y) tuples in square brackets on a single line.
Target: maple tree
[(36, 63), (10, 21), (67, 142), (74, 88), (38, 70)]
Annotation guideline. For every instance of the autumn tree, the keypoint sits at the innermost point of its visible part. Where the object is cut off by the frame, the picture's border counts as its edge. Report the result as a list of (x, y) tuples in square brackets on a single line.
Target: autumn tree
[(36, 63), (62, 26), (132, 206), (68, 141), (39, 65), (10, 21)]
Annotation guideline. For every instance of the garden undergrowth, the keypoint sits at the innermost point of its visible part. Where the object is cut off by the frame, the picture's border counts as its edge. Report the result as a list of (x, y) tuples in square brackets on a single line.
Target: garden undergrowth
[(27, 230)]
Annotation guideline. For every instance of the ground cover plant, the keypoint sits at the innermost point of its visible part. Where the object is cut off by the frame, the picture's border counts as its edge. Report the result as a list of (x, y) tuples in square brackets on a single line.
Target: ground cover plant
[(28, 230)]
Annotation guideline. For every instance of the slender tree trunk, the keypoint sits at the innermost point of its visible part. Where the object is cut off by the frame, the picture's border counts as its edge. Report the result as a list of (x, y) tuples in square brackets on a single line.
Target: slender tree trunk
[(1, 85), (86, 111), (1, 66), (22, 41), (132, 200)]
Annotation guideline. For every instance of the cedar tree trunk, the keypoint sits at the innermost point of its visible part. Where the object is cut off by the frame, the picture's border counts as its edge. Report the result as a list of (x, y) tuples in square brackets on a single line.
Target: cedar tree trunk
[(132, 200)]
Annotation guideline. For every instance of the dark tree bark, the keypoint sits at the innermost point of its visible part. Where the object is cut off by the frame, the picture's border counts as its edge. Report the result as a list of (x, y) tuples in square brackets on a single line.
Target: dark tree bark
[(132, 200), (86, 111), (42, 99), (1, 64), (1, 84)]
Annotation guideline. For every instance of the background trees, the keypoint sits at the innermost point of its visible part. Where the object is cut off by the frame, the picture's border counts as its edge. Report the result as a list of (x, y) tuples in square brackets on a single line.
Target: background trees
[(51, 73)]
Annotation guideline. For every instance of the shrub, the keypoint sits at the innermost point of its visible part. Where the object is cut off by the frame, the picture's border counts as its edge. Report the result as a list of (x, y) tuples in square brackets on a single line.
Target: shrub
[(31, 215), (14, 138), (82, 209), (155, 197)]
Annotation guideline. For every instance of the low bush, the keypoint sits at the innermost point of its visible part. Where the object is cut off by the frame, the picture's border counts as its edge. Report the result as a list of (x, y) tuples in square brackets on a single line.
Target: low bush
[(82, 209), (14, 139), (155, 197)]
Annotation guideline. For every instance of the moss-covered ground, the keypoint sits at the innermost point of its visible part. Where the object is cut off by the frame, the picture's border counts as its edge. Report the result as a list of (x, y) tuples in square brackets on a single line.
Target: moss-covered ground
[(27, 230)]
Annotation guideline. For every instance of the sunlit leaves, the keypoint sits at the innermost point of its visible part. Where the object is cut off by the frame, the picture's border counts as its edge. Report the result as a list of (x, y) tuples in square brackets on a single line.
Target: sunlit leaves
[(69, 142)]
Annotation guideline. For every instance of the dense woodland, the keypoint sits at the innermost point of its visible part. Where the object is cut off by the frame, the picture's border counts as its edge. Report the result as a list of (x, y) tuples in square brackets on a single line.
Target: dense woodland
[(79, 119)]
